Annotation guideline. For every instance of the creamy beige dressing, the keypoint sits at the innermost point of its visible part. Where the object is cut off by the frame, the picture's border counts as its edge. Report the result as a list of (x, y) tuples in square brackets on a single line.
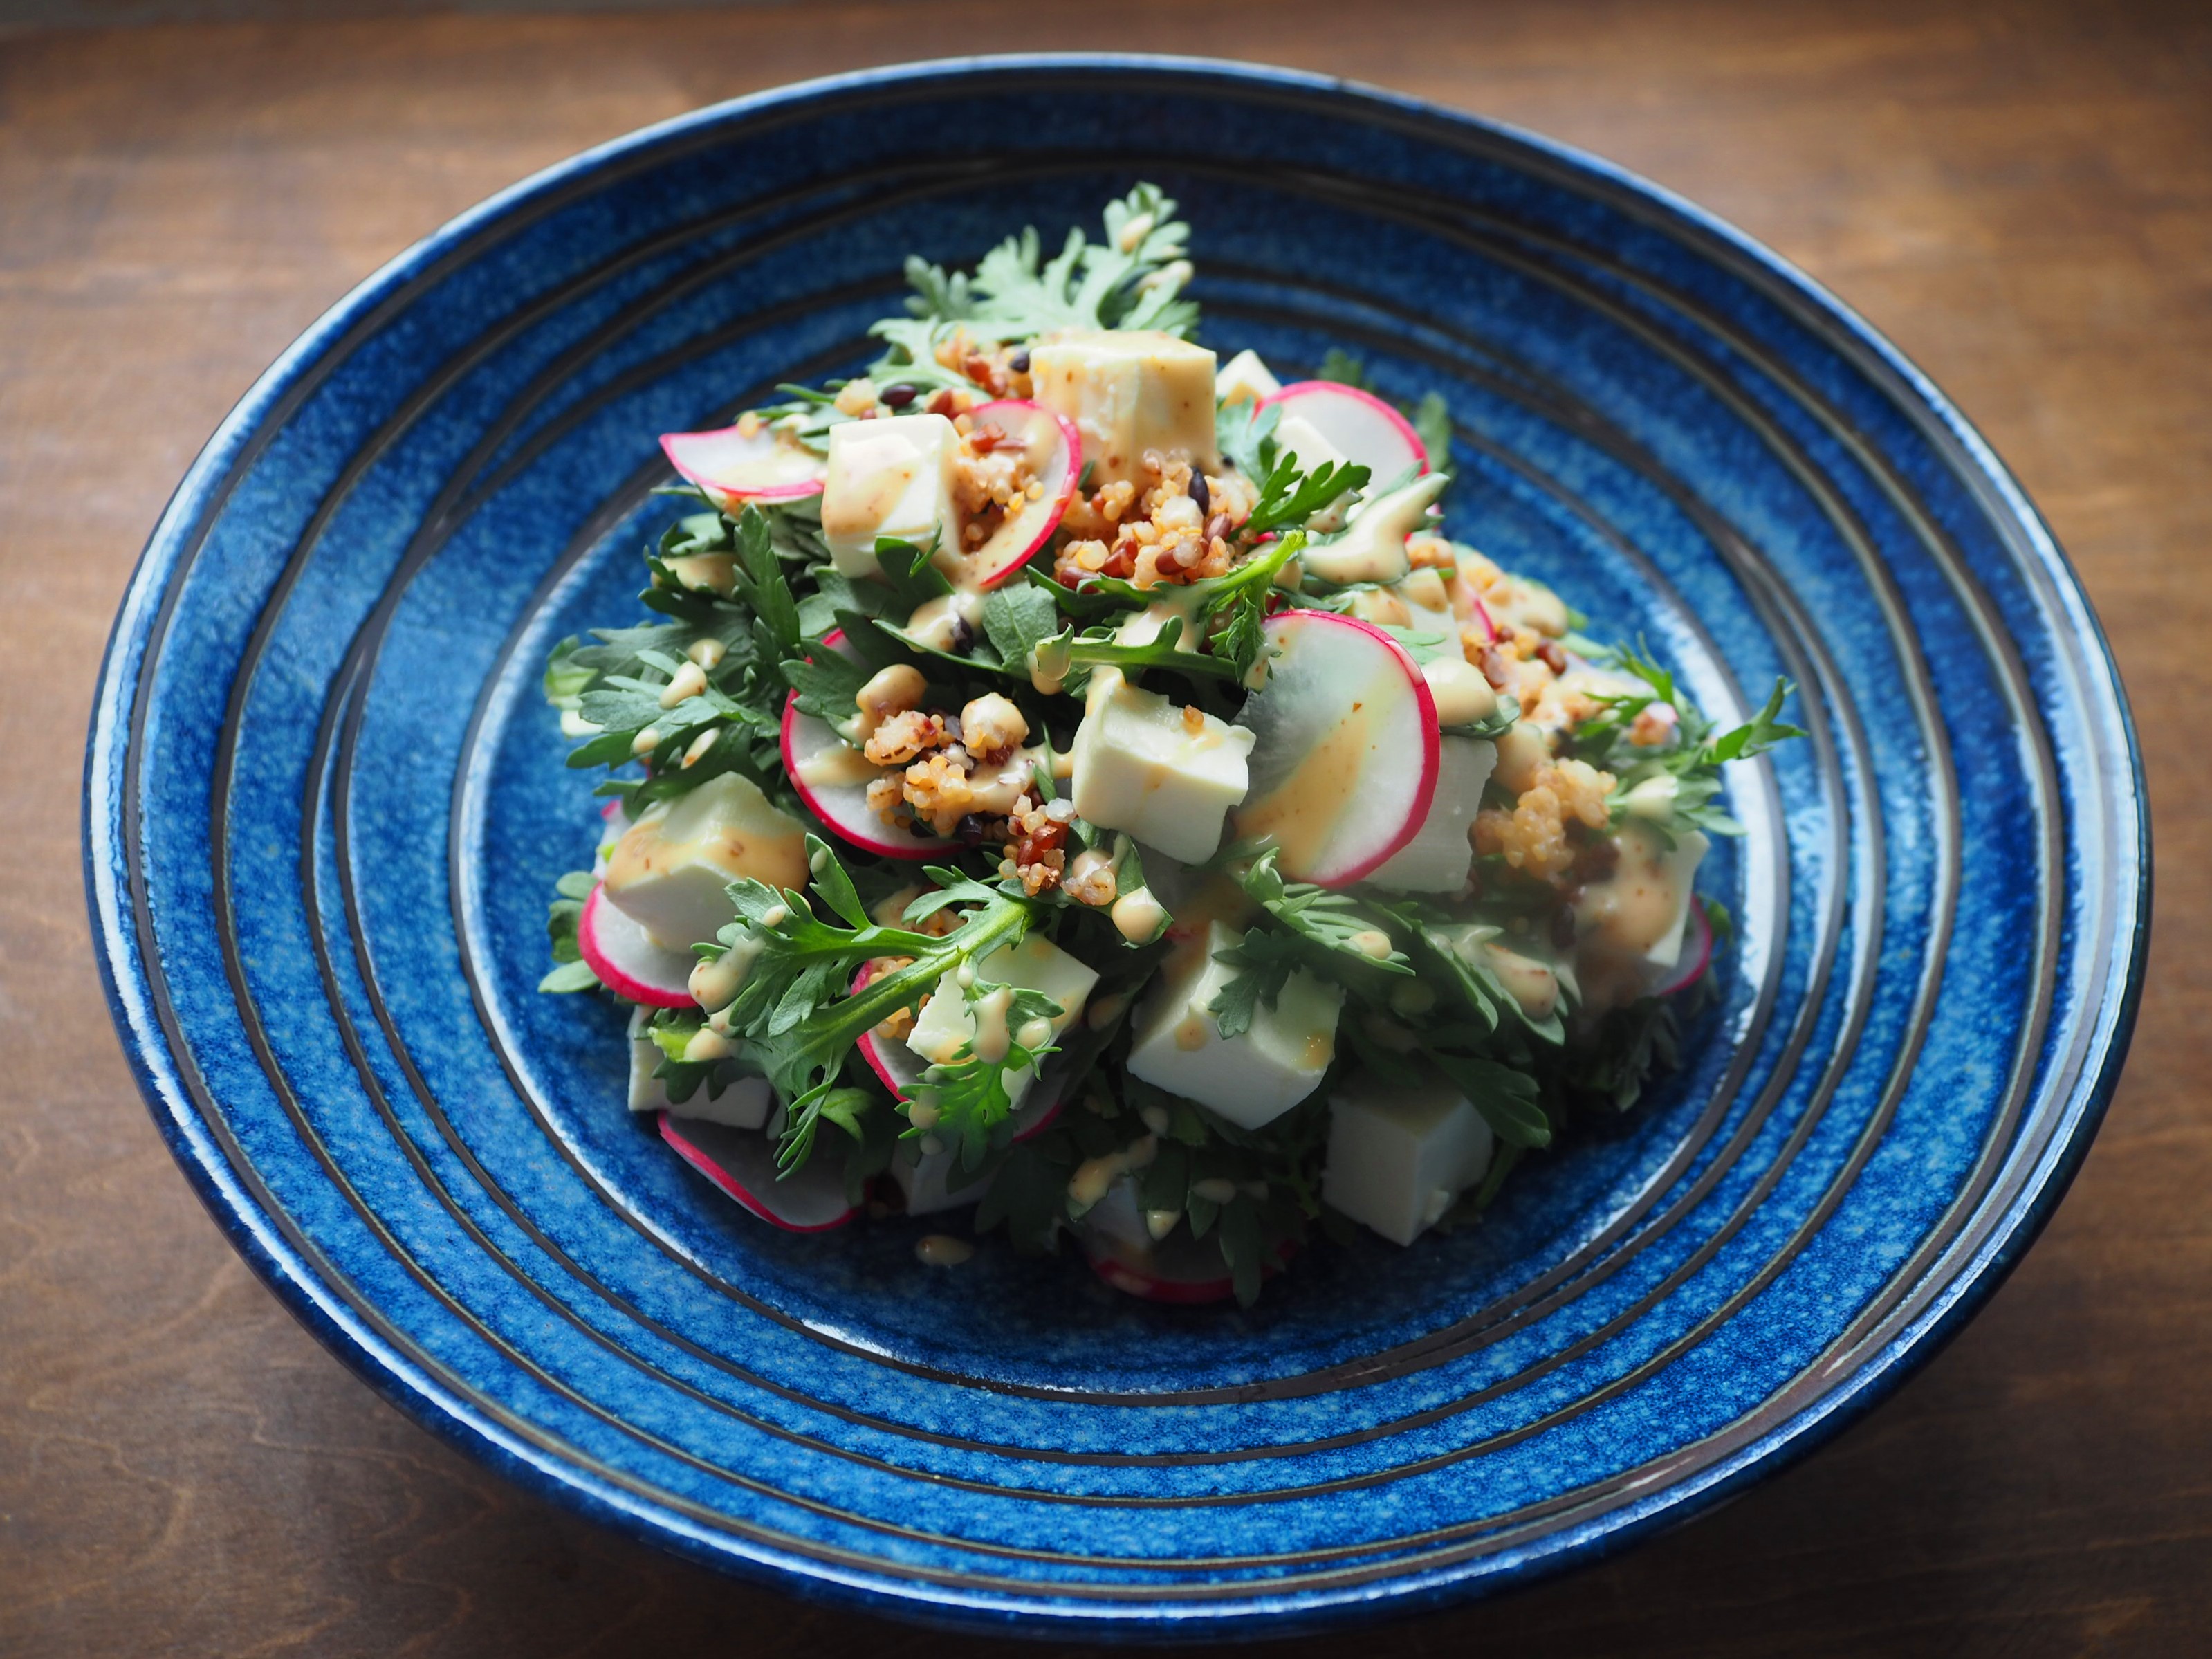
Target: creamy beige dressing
[(1529, 982), (836, 765), (715, 572), (992, 1039), (1094, 1177), (1302, 811), (716, 980), (936, 623), (1635, 909), (1104, 1010), (942, 1250), (1176, 603), (705, 1046)]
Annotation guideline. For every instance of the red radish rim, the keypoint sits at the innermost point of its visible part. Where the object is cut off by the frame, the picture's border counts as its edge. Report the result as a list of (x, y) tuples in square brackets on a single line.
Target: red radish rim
[(622, 983), (790, 492), (912, 850), (1336, 388), (1489, 621), (1056, 505), (1432, 738), (1684, 977), (1173, 1292), (699, 1159)]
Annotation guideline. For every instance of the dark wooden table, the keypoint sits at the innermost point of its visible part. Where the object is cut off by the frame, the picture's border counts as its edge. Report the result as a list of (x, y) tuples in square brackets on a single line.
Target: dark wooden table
[(2019, 194)]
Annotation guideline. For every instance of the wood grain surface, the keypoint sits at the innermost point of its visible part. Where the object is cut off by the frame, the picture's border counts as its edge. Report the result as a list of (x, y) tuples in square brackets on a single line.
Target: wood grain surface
[(2021, 195)]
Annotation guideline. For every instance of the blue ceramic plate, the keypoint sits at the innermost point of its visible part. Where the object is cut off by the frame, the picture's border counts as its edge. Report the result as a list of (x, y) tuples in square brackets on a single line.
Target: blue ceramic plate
[(324, 807)]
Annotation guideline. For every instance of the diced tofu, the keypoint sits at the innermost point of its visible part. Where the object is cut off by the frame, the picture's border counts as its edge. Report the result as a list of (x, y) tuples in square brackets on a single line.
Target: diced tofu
[(1165, 773), (1129, 391), (1372, 548), (1437, 858), (889, 477), (1399, 1155), (670, 872), (948, 1023), (1245, 378), (1254, 1077), (743, 1104)]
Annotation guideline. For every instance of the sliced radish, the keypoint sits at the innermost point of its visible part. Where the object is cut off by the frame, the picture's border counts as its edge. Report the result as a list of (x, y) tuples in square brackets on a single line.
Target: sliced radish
[(1468, 606), (1179, 1270), (1345, 761), (742, 1162), (731, 466), (629, 961), (1053, 450), (832, 779), (1358, 425), (1696, 953)]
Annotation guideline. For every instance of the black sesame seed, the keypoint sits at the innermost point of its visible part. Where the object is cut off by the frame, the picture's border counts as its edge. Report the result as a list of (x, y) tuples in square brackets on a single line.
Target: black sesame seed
[(1200, 493), (1019, 362), (897, 396)]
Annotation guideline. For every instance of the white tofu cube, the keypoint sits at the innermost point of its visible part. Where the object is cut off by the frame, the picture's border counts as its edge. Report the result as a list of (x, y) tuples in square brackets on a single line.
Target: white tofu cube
[(1437, 858), (947, 1024), (1245, 379), (889, 477), (672, 870), (1129, 391), (1399, 1155), (743, 1104), (1254, 1077), (1166, 773)]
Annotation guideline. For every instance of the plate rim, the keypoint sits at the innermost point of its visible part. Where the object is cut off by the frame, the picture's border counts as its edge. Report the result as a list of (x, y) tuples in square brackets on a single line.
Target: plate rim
[(127, 980)]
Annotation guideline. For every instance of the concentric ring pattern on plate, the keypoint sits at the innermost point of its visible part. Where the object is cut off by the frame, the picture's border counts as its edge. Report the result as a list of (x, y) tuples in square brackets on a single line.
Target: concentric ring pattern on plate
[(325, 808)]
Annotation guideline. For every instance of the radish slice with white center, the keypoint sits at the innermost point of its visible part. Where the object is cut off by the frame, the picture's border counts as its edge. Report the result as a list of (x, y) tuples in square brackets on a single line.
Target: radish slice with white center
[(629, 961), (742, 1162), (1358, 425), (832, 777), (1344, 760), (1696, 953), (1052, 451), (733, 466)]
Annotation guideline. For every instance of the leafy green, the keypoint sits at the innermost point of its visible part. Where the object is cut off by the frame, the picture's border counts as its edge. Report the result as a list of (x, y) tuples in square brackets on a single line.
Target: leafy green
[(571, 972), (967, 1099), (1288, 497)]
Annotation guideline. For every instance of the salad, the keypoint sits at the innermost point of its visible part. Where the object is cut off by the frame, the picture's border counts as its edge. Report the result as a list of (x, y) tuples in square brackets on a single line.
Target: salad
[(1071, 778)]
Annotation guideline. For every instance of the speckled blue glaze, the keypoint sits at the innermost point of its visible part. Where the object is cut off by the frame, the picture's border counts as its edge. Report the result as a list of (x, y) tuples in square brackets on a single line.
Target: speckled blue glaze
[(324, 807)]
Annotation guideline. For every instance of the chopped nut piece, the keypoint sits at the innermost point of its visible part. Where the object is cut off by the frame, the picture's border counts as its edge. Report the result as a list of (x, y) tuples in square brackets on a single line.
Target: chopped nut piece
[(990, 726)]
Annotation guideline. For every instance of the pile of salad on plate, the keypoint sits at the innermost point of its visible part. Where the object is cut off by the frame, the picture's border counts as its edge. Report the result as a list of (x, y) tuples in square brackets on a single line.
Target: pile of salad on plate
[(1073, 778)]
